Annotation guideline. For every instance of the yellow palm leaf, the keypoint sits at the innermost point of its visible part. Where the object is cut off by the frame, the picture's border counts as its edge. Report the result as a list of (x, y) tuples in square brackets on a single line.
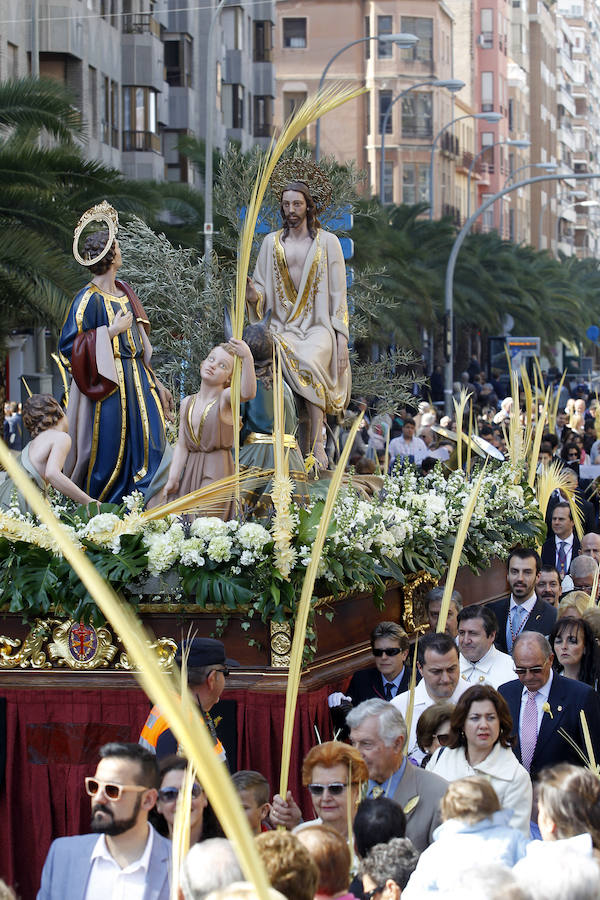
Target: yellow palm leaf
[(189, 728)]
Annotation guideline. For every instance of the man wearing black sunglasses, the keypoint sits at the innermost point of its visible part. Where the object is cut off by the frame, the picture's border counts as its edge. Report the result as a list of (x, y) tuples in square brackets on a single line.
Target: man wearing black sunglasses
[(124, 856), (207, 669)]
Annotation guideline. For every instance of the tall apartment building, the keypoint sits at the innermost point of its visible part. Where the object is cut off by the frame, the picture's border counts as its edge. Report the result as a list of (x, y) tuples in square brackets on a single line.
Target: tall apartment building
[(307, 37), (543, 109), (582, 19), (521, 164), (138, 71)]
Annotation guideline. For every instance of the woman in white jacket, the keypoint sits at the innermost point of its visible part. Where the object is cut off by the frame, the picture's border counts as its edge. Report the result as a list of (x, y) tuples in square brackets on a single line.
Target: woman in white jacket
[(480, 740)]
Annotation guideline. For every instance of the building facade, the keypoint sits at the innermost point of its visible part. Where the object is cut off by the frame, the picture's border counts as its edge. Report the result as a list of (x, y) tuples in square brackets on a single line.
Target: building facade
[(137, 69)]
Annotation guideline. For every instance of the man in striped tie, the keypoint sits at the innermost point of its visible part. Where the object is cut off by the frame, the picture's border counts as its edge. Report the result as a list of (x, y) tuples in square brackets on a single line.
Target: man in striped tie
[(545, 707)]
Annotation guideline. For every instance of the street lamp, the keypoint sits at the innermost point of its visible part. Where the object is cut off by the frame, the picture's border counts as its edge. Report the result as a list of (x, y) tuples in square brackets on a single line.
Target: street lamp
[(211, 91), (507, 143), (491, 117), (458, 242), (402, 40), (453, 84), (570, 195)]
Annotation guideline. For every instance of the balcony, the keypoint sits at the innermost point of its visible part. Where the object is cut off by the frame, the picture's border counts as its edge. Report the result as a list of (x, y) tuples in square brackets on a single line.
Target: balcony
[(449, 144), (564, 99), (141, 142), (141, 23)]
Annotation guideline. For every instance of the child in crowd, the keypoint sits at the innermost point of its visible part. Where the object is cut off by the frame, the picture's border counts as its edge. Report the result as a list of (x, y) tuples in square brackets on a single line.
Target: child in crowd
[(254, 791), (473, 828)]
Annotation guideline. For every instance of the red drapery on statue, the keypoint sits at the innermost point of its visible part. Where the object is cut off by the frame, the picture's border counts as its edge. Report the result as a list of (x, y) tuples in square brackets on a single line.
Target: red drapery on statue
[(53, 737)]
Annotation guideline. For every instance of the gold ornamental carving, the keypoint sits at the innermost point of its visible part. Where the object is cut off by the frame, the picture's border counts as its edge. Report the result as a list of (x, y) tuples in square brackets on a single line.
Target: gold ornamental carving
[(281, 645), (56, 644), (413, 592)]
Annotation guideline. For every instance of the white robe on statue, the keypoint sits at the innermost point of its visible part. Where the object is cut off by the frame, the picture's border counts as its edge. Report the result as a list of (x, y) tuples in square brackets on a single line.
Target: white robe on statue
[(305, 323)]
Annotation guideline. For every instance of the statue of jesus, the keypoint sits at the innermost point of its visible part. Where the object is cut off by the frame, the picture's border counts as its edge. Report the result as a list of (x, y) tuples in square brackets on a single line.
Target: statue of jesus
[(300, 277)]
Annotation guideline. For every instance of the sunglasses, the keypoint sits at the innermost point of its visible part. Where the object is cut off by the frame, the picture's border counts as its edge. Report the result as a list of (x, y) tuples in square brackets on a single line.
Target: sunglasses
[(533, 670), (112, 791), (370, 894), (224, 670), (170, 794), (389, 651), (443, 737), (335, 789)]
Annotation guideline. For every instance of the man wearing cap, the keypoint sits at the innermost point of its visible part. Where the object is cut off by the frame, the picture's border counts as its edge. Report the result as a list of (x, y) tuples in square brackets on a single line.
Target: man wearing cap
[(300, 277), (207, 669)]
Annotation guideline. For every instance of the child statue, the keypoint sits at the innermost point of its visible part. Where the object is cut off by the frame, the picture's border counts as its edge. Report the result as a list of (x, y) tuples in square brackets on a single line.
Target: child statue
[(203, 451)]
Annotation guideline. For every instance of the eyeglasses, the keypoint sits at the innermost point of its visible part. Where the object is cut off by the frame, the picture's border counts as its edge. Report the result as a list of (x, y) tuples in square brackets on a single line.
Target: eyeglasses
[(442, 737), (170, 794), (389, 651), (370, 894), (224, 670), (533, 670), (335, 789), (112, 791)]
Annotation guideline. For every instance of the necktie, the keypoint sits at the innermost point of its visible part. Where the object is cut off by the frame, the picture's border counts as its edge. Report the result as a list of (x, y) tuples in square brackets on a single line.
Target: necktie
[(514, 624), (562, 559), (529, 732), (388, 690)]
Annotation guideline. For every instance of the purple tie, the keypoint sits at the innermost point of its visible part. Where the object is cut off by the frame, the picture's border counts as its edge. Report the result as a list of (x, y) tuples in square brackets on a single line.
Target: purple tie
[(529, 730), (562, 558)]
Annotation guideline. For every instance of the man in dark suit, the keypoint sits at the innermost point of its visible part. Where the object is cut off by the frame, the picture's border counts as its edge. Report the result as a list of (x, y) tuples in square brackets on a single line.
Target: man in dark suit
[(389, 676), (588, 512), (562, 546), (543, 705), (522, 611)]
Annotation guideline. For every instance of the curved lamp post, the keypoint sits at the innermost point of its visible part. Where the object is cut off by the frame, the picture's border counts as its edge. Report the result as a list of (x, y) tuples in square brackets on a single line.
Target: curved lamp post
[(449, 283), (401, 40), (489, 117), (453, 85)]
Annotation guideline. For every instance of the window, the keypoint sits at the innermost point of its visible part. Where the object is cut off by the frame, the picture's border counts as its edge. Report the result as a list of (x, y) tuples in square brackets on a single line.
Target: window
[(178, 61), (13, 60), (487, 139), (292, 102), (486, 39), (294, 33), (415, 184), (139, 119), (237, 106), (367, 35), (367, 97), (105, 123), (93, 95), (511, 115), (263, 41), (263, 116), (114, 102), (385, 100), (423, 28), (417, 118), (388, 181), (487, 91), (385, 49)]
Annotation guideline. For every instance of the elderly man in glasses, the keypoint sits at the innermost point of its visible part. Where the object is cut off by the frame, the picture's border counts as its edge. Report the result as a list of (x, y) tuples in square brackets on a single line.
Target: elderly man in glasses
[(545, 708), (124, 856)]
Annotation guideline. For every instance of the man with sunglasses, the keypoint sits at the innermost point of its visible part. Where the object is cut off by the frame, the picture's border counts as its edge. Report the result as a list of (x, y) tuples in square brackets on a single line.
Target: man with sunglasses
[(124, 858), (207, 668), (545, 708)]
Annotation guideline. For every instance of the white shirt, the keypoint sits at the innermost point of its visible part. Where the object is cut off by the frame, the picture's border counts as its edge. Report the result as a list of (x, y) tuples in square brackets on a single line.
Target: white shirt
[(416, 448), (422, 701), (495, 668), (108, 881), (541, 697)]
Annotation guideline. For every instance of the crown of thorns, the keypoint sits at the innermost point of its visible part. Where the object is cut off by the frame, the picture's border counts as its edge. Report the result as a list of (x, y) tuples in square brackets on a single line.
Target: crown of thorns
[(102, 212), (300, 169)]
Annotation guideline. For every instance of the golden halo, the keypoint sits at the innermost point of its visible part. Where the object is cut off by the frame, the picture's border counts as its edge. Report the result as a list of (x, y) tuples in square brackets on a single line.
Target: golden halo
[(102, 212), (298, 168)]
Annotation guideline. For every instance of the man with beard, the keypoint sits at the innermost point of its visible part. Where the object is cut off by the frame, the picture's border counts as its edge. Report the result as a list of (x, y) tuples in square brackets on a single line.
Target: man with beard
[(124, 857), (522, 610), (300, 278), (549, 586)]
